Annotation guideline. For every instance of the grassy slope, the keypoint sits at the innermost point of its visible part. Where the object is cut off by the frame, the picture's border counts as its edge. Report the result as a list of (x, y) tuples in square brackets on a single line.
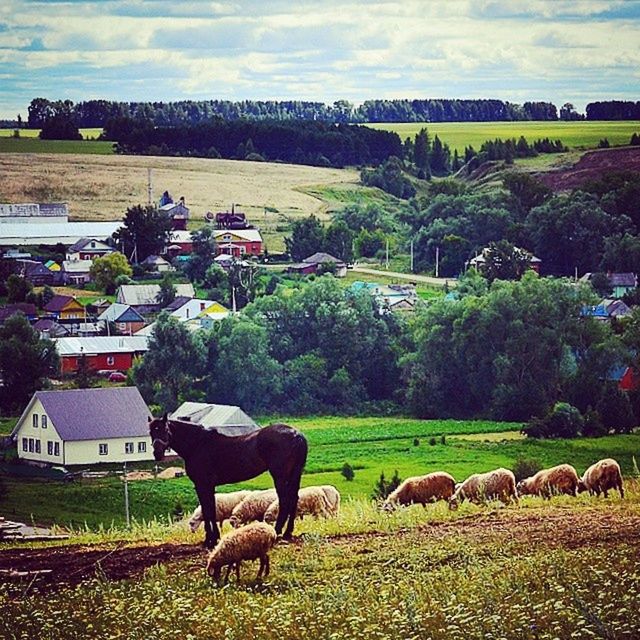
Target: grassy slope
[(573, 134), (370, 445)]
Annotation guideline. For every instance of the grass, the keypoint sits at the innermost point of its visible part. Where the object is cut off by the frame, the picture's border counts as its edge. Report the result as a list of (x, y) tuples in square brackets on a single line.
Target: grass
[(32, 145), (87, 134), (458, 135), (424, 291), (6, 425), (370, 445)]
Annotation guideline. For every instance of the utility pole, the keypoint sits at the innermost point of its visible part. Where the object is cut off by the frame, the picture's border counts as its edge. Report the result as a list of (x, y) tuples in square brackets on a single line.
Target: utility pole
[(387, 258), (437, 261), (412, 256), (126, 496), (149, 189)]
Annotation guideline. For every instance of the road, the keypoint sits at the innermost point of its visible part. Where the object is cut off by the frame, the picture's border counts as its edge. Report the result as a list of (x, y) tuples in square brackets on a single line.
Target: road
[(411, 277)]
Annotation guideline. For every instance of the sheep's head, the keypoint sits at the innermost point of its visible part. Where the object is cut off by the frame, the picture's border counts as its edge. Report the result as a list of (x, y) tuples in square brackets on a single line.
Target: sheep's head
[(582, 487), (194, 523), (214, 568), (523, 487), (234, 521), (454, 502)]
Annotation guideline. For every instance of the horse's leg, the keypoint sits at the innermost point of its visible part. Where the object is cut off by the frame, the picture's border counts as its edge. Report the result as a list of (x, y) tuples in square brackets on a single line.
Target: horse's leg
[(206, 495), (281, 490), (293, 486)]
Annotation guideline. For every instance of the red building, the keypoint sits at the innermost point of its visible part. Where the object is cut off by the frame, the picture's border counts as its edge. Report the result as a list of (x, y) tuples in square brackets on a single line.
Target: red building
[(238, 242), (102, 353)]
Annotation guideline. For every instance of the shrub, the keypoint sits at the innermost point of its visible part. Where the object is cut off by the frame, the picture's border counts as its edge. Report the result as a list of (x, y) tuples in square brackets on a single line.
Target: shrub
[(525, 468), (382, 488), (593, 425), (615, 409), (416, 442), (443, 439), (432, 441), (347, 471), (563, 421)]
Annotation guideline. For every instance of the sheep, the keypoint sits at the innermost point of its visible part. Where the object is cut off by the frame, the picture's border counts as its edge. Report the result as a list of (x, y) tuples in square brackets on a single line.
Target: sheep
[(499, 483), (225, 503), (250, 542), (421, 490), (252, 507), (602, 476), (333, 498), (548, 482), (312, 501)]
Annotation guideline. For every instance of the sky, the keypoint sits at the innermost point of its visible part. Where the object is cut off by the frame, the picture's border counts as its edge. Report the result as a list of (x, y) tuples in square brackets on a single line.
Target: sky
[(575, 51)]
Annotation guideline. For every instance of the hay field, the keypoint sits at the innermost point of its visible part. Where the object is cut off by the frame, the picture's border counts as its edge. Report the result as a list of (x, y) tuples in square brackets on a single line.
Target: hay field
[(102, 187)]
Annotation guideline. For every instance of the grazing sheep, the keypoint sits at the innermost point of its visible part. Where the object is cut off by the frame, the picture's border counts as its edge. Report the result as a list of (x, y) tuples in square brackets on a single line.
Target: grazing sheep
[(312, 501), (225, 504), (252, 507), (602, 476), (421, 490), (333, 498), (550, 482), (251, 542), (497, 484)]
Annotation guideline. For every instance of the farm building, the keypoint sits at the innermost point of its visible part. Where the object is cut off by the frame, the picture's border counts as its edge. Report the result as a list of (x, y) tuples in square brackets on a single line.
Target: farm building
[(478, 261), (313, 263), (620, 283), (64, 308), (157, 263), (238, 242), (227, 419), (103, 353), (14, 234), (126, 319), (34, 213), (84, 426), (143, 297), (88, 249), (178, 211), (36, 273), (76, 272), (48, 328)]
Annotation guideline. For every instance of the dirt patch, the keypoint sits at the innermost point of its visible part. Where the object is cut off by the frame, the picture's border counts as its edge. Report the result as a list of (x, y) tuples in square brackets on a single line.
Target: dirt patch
[(591, 166), (560, 528)]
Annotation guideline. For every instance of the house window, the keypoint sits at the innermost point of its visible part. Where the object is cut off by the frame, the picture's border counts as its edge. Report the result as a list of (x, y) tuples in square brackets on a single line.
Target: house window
[(103, 449), (25, 444), (49, 448), (35, 420), (38, 450), (128, 447), (110, 360), (31, 446), (142, 447), (56, 448), (44, 422)]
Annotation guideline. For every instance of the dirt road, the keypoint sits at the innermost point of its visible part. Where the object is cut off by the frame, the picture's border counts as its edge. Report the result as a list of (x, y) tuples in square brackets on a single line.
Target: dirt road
[(409, 277)]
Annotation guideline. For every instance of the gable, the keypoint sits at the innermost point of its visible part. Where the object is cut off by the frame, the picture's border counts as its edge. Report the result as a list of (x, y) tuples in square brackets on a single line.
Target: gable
[(24, 427)]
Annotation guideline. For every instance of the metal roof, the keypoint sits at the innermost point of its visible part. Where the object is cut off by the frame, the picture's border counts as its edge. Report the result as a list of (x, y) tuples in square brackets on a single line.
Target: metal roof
[(17, 233), (147, 294), (118, 312), (227, 419), (101, 344)]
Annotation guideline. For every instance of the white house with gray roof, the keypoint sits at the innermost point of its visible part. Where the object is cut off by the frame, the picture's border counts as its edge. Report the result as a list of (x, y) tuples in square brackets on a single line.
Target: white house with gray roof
[(84, 426)]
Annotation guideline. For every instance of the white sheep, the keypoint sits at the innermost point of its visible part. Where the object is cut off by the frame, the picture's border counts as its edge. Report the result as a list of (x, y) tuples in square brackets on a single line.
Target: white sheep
[(333, 498), (422, 490), (312, 501), (252, 507), (225, 504), (251, 542), (561, 479), (602, 476), (498, 484)]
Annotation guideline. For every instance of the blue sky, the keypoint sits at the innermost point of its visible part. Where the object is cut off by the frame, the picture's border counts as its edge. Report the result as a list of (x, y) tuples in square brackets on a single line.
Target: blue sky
[(563, 51)]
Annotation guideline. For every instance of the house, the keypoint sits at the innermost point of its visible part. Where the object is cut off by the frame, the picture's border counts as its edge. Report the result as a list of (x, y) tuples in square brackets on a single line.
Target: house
[(607, 309), (313, 263), (181, 242), (178, 211), (14, 234), (88, 249), (35, 272), (144, 297), (157, 263), (392, 297), (76, 272), (98, 306), (84, 426), (52, 265), (26, 308), (103, 353), (126, 319), (188, 308), (212, 314), (224, 260), (227, 419), (620, 283), (65, 308), (229, 219), (48, 329), (478, 261), (238, 242)]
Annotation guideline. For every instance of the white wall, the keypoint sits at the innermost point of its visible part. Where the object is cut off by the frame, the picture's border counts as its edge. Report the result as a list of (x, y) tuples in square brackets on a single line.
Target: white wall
[(87, 451), (28, 431)]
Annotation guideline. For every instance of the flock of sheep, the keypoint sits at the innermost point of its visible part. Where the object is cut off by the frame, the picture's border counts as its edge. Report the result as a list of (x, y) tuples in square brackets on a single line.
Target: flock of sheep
[(251, 512)]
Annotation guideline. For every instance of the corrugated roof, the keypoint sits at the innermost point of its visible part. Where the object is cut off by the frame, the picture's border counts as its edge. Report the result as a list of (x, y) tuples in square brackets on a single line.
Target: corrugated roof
[(58, 302), (101, 344), (18, 233), (95, 414), (248, 235), (320, 258), (146, 294), (227, 419), (118, 312)]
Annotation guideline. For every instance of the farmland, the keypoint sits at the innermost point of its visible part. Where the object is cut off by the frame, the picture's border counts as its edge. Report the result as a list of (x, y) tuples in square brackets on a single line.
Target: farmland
[(458, 135)]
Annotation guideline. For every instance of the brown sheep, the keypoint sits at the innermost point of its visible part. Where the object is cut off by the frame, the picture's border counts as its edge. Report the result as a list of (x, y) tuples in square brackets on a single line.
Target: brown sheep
[(225, 504), (562, 479), (602, 476), (251, 542), (498, 484), (421, 490), (252, 507), (312, 501)]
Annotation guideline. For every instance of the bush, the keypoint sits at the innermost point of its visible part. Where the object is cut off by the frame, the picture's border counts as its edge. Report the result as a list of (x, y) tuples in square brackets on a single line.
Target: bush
[(432, 441), (382, 488), (563, 421), (615, 409), (443, 439), (593, 425), (416, 442), (347, 472), (525, 468)]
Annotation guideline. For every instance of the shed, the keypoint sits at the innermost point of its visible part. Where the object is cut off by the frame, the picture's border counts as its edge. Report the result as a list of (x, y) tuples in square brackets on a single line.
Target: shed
[(227, 419)]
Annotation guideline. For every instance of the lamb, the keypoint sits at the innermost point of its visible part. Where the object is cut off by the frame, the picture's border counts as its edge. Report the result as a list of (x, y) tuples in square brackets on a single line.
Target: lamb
[(333, 498), (252, 507), (312, 501), (251, 542), (421, 490), (225, 503), (602, 476), (548, 482), (497, 484)]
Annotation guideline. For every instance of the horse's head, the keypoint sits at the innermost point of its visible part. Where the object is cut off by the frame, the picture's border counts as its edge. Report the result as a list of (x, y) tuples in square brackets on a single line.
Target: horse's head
[(160, 436)]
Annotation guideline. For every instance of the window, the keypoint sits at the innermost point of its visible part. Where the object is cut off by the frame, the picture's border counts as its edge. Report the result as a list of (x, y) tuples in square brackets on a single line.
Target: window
[(35, 420), (49, 448), (103, 449), (31, 445), (44, 423), (38, 449), (128, 447), (25, 444), (142, 447), (110, 360)]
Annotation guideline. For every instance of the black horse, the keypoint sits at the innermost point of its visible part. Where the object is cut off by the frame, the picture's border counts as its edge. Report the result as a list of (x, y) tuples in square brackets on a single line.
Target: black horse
[(212, 459)]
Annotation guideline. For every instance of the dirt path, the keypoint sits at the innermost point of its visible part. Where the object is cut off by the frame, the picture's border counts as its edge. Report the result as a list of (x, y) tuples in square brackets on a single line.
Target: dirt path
[(561, 528), (410, 277)]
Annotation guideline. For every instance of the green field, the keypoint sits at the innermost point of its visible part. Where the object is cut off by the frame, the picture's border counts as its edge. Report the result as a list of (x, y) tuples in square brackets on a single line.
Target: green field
[(34, 133), (458, 135), (35, 145), (369, 445)]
